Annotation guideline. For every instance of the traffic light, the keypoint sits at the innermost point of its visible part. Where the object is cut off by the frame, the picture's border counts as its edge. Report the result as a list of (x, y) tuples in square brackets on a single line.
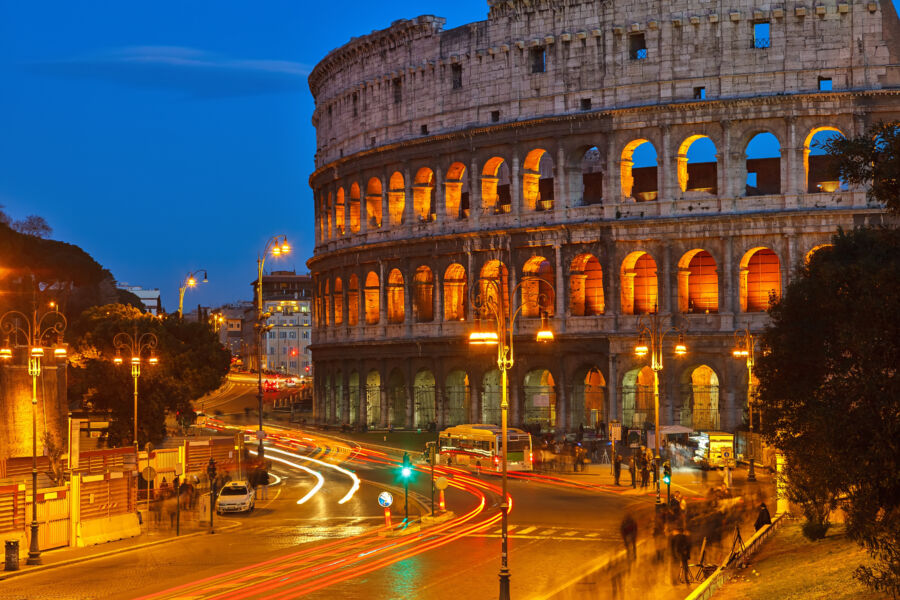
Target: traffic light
[(406, 469), (667, 473)]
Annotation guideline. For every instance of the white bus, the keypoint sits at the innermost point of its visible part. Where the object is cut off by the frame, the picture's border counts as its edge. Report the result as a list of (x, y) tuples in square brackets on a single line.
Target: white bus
[(481, 447)]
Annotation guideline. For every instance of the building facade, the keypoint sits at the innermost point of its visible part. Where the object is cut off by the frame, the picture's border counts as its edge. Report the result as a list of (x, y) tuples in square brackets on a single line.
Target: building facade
[(288, 298), (635, 157), (149, 297)]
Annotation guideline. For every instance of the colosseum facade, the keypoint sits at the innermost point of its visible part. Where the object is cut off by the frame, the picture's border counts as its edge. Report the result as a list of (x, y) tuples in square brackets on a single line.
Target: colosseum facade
[(642, 156)]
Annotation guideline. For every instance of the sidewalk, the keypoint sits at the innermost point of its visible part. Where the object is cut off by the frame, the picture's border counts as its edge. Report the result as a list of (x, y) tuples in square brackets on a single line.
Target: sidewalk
[(790, 567)]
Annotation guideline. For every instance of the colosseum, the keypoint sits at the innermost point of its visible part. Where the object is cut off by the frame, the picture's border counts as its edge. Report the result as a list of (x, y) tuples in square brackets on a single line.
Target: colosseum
[(639, 157)]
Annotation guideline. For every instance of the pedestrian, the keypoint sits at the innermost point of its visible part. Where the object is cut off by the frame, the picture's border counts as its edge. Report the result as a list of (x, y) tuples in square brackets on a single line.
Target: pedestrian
[(263, 488), (631, 469), (764, 518), (654, 468), (617, 467), (681, 554), (629, 535), (645, 474)]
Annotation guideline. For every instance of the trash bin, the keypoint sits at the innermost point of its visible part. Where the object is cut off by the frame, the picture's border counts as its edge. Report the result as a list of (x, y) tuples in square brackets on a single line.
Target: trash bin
[(12, 555)]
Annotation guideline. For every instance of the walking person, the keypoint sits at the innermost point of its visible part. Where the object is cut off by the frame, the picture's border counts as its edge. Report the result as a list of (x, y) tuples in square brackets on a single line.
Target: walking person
[(263, 488), (629, 535), (645, 473), (631, 469), (617, 467)]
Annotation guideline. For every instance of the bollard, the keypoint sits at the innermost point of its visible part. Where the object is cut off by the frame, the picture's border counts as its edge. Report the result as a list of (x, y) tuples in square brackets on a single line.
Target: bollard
[(12, 555)]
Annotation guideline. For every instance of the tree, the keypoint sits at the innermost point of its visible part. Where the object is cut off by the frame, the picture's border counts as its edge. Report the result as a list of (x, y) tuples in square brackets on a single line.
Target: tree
[(191, 364), (34, 226), (829, 387), (871, 159)]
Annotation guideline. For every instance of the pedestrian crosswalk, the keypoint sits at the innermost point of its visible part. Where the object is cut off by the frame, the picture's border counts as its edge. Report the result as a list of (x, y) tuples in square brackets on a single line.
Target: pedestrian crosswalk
[(551, 533)]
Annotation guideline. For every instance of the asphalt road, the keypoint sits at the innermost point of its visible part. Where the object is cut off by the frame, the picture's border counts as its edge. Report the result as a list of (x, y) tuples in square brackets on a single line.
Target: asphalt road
[(325, 549)]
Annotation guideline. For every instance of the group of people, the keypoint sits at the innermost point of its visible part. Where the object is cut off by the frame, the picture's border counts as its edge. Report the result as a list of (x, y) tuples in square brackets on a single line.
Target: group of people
[(641, 462), (166, 499)]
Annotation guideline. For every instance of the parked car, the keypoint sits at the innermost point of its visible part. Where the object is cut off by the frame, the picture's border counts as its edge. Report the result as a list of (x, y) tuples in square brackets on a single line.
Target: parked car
[(236, 496)]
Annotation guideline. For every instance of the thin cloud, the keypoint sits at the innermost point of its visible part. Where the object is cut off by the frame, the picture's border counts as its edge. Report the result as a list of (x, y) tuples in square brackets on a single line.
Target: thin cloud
[(181, 69)]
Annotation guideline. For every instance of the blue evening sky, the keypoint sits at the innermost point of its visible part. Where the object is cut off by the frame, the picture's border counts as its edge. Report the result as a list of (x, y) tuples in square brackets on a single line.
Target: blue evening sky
[(168, 136)]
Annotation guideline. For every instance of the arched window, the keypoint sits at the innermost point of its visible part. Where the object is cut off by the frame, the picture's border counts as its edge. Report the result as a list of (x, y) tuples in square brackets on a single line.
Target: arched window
[(424, 295), (354, 208), (639, 284), (397, 399), (328, 216), (455, 292), (338, 301), (813, 250), (591, 177), (373, 398), (537, 294), (372, 295), (341, 213), (637, 397), (763, 165), (589, 398), (457, 399), (396, 198), (638, 171), (423, 195), (821, 169), (373, 203), (456, 192), (494, 277), (537, 181), (760, 279), (698, 283), (326, 299), (586, 287), (697, 165), (495, 192), (540, 399), (353, 301), (396, 312), (424, 405), (700, 399)]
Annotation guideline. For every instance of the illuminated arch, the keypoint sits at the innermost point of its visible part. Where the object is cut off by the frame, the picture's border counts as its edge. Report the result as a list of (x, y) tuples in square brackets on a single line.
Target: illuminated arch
[(373, 202), (637, 397), (694, 176), (540, 399), (456, 192), (354, 208), (821, 170), (760, 279), (396, 311), (326, 301), (589, 398), (373, 398), (396, 198), (372, 294), (353, 300), (341, 214), (700, 399), (423, 195), (638, 182), (698, 283), (338, 301), (640, 290), (813, 250), (586, 286), (494, 271), (538, 296), (455, 293), (495, 188), (423, 294), (537, 181)]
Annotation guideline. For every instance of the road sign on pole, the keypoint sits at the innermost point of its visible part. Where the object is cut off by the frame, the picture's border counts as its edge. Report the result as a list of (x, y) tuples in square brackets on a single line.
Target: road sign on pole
[(385, 499)]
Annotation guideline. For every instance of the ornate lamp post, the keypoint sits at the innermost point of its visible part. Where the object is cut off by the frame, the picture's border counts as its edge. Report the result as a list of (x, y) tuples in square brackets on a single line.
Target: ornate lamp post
[(189, 281), (744, 348), (653, 331), (33, 331), (491, 306), (276, 246)]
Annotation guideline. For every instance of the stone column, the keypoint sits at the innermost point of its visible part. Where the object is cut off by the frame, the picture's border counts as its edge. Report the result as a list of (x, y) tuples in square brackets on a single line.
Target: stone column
[(726, 161), (667, 169), (612, 390), (382, 296), (727, 282), (409, 218), (409, 314), (561, 199), (474, 415), (560, 285), (440, 196), (361, 304), (563, 410), (515, 183), (437, 298), (793, 179), (668, 279), (612, 191), (476, 203), (363, 210)]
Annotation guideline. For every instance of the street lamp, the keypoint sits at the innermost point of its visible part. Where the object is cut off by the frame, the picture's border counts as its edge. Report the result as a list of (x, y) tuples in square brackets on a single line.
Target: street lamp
[(490, 304), (137, 345), (652, 332), (33, 331), (744, 348), (189, 281), (276, 246)]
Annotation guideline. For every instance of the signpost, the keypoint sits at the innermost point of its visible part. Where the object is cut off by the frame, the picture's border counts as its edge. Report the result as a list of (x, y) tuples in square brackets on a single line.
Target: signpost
[(615, 433), (385, 499), (441, 484)]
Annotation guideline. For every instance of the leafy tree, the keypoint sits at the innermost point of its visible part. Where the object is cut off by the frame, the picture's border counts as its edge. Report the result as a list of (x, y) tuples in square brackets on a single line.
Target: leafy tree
[(871, 159), (830, 388), (191, 363)]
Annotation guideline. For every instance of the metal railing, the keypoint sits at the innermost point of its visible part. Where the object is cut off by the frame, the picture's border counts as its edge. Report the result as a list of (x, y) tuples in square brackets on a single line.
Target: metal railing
[(762, 42)]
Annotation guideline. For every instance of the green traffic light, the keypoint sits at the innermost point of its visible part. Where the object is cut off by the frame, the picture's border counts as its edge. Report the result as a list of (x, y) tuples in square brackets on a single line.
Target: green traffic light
[(666, 480), (406, 472)]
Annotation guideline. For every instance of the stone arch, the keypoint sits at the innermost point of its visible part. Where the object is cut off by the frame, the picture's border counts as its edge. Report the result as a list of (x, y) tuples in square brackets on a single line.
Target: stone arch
[(338, 396), (639, 171), (491, 394), (457, 398), (760, 279), (397, 399), (637, 397), (354, 208), (456, 192), (456, 290), (396, 198), (373, 399), (396, 311), (538, 294), (537, 181), (338, 301), (372, 294), (700, 398), (640, 286), (494, 271), (808, 256), (763, 165), (589, 406), (329, 225), (496, 196), (591, 177), (353, 300), (821, 169), (373, 202), (423, 294), (341, 212), (586, 286), (423, 195), (540, 399), (425, 398), (696, 173), (353, 393), (698, 283)]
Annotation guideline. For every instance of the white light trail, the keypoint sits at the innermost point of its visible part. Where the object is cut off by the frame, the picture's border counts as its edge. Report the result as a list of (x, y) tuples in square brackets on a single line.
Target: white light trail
[(320, 481), (350, 474)]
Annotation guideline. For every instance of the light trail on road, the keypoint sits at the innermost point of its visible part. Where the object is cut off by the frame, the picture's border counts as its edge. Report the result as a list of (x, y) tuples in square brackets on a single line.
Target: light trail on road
[(339, 469), (320, 481)]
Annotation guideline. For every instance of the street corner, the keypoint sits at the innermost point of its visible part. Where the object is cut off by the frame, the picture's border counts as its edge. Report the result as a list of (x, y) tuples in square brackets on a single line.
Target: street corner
[(440, 518), (400, 531)]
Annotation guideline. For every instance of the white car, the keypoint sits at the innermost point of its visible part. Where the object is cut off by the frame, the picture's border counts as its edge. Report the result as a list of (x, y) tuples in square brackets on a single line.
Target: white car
[(236, 496)]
